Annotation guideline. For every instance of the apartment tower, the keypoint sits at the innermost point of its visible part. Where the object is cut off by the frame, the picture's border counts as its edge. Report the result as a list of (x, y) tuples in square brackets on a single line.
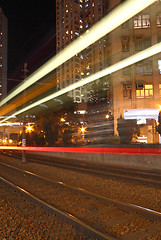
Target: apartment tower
[(74, 17), (137, 88)]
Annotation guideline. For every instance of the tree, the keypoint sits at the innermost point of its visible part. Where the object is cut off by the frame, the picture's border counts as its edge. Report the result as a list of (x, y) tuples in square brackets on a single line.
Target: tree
[(98, 91), (51, 134)]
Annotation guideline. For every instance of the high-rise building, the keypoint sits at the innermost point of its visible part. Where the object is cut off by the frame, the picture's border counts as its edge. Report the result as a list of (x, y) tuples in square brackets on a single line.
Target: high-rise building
[(137, 88), (3, 54), (74, 17)]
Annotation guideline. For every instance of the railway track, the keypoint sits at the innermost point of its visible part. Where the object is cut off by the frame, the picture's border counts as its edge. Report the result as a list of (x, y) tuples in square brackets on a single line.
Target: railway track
[(98, 216), (129, 174)]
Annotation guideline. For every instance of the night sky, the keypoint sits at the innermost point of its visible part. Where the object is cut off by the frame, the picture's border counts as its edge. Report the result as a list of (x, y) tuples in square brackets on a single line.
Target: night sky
[(31, 35)]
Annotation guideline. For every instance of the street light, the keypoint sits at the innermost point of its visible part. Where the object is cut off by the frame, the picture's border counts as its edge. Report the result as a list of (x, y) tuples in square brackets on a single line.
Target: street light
[(107, 116), (29, 128), (83, 130), (62, 119)]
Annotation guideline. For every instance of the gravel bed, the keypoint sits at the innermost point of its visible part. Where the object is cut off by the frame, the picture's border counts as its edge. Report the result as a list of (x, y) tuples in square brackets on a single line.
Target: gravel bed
[(136, 193), (21, 220), (108, 220)]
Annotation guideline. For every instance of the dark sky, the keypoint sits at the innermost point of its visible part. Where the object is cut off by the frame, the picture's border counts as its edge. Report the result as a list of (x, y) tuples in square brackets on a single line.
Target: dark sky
[(31, 34)]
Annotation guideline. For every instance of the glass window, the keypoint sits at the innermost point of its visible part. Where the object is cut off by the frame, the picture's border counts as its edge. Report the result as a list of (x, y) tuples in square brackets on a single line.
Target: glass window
[(142, 21), (127, 91), (144, 90), (160, 90), (159, 66), (125, 44), (143, 68), (159, 20)]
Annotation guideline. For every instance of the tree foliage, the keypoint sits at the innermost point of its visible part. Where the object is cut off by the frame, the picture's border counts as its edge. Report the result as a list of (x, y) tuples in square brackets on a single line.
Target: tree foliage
[(98, 91)]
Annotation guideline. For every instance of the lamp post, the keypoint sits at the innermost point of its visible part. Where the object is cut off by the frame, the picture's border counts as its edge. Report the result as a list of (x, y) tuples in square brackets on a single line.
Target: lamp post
[(24, 120)]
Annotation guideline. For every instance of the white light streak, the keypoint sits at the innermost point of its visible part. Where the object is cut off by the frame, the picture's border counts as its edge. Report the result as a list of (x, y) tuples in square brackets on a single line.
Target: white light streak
[(110, 22), (118, 66)]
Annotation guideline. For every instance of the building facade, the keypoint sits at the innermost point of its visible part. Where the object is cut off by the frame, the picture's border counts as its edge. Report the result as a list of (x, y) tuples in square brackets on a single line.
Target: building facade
[(138, 87), (74, 17), (3, 54)]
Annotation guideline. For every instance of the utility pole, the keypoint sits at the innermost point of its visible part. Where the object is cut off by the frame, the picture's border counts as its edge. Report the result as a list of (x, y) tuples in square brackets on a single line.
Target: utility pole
[(24, 120)]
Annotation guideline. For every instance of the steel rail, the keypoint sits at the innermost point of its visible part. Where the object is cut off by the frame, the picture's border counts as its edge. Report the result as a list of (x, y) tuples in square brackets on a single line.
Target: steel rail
[(100, 172), (105, 172), (128, 207), (62, 215)]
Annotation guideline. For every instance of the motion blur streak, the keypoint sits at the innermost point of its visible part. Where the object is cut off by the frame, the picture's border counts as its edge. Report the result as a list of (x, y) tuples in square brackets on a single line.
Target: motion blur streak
[(148, 151), (114, 19), (29, 95), (118, 66)]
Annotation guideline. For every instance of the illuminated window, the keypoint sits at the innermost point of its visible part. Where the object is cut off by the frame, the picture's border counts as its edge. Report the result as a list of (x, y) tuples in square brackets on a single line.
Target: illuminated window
[(159, 20), (144, 68), (144, 90), (142, 21), (160, 90), (127, 91), (159, 66)]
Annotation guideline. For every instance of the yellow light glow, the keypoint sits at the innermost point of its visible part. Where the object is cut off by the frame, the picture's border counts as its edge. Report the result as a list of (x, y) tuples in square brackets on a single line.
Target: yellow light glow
[(107, 116), (83, 129), (62, 120), (110, 22), (29, 128)]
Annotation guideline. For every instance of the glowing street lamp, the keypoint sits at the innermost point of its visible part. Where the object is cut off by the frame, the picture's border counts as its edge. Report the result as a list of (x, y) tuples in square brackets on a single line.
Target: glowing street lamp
[(107, 116), (29, 128), (62, 120), (83, 130)]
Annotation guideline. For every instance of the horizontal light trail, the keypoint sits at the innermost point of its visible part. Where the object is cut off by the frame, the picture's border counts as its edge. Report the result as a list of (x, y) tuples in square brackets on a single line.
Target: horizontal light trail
[(28, 95), (117, 150), (118, 66), (110, 22)]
